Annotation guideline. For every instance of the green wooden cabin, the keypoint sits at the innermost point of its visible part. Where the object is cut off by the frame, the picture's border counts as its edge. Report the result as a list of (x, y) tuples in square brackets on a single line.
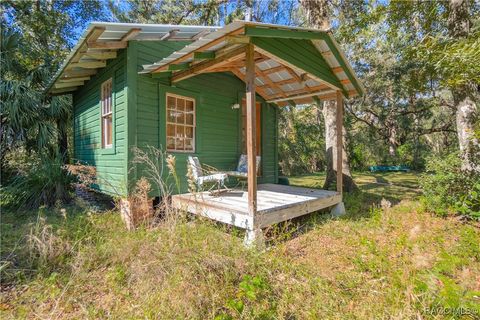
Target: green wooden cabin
[(182, 89)]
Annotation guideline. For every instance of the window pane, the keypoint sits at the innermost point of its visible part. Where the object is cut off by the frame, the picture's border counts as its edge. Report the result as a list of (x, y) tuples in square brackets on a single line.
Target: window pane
[(171, 116), (179, 144), (180, 132), (189, 119), (189, 132), (180, 104), (170, 130), (189, 144), (170, 143), (181, 117), (189, 106), (171, 102), (108, 129)]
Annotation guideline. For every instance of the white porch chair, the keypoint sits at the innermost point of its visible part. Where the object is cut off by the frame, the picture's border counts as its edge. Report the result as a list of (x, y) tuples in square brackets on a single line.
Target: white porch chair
[(241, 173), (216, 179)]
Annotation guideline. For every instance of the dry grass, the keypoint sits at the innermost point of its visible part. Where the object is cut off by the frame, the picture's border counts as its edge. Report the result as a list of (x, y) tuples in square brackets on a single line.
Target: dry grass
[(377, 263)]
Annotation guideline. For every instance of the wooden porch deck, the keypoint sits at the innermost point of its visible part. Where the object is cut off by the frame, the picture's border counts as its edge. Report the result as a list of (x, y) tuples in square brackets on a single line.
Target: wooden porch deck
[(275, 203)]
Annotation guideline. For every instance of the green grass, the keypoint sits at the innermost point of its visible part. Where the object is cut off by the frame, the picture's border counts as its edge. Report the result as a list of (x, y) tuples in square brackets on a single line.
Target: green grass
[(380, 261)]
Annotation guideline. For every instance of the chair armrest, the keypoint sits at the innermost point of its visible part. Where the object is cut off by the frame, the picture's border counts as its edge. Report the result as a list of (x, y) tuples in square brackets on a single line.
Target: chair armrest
[(209, 170)]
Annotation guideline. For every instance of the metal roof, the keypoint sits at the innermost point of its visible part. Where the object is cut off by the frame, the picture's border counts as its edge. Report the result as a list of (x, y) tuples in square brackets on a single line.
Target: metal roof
[(113, 31), (277, 80), (282, 76)]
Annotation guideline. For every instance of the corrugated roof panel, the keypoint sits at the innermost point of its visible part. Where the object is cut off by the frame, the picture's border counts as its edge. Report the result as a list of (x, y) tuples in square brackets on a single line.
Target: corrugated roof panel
[(291, 86), (312, 83), (268, 64), (275, 77), (270, 91)]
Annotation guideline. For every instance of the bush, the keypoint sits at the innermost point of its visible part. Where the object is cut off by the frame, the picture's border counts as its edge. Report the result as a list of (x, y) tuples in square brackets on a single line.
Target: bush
[(449, 190), (39, 180)]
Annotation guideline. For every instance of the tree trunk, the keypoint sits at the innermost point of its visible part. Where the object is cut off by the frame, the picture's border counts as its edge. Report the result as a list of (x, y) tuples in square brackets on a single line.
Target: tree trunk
[(466, 109), (466, 117), (329, 114), (318, 16)]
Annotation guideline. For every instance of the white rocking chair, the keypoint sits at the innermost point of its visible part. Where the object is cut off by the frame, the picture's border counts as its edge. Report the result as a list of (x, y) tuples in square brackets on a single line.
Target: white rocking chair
[(216, 179)]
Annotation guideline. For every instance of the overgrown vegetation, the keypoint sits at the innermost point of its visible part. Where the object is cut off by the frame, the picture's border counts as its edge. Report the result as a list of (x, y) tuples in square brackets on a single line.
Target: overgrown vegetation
[(386, 259), (389, 258), (449, 189), (36, 180)]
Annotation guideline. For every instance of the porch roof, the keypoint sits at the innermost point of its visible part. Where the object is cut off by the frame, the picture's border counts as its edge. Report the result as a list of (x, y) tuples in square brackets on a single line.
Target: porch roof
[(292, 65)]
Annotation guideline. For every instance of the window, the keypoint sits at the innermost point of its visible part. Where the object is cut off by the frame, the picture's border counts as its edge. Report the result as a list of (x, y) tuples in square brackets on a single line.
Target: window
[(107, 112), (180, 123)]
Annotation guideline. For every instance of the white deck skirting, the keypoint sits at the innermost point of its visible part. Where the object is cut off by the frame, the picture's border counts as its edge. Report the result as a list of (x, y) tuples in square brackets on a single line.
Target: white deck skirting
[(275, 203)]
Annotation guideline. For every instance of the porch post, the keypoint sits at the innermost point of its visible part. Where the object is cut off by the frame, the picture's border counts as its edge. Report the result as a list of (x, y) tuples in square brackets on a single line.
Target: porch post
[(251, 128), (339, 125)]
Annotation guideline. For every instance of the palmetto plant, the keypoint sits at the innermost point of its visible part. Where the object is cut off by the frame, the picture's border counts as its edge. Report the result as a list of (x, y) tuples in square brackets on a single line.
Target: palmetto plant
[(26, 114)]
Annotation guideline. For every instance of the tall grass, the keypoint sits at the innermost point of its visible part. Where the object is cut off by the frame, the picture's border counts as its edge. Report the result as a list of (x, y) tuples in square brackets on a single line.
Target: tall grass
[(395, 262)]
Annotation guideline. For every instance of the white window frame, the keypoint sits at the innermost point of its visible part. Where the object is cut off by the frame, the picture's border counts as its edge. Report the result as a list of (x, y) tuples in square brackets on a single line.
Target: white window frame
[(194, 126), (106, 102)]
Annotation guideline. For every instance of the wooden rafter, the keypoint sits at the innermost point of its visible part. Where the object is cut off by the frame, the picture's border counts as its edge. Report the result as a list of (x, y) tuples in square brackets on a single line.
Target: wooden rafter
[(94, 34), (79, 73), (310, 99), (202, 48), (61, 85), (294, 75), (131, 34), (210, 64), (102, 55), (200, 34), (87, 64), (170, 34), (108, 45), (269, 81), (237, 39), (304, 95), (301, 91), (274, 69), (75, 79), (241, 76), (286, 81), (291, 66)]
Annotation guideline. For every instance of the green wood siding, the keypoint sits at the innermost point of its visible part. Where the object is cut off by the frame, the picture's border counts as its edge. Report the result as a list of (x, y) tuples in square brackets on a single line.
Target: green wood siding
[(140, 115), (217, 124), (109, 163), (311, 60)]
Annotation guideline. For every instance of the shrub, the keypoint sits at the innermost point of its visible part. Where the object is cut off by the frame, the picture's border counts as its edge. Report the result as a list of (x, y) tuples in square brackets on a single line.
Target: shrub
[(41, 181), (447, 189)]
